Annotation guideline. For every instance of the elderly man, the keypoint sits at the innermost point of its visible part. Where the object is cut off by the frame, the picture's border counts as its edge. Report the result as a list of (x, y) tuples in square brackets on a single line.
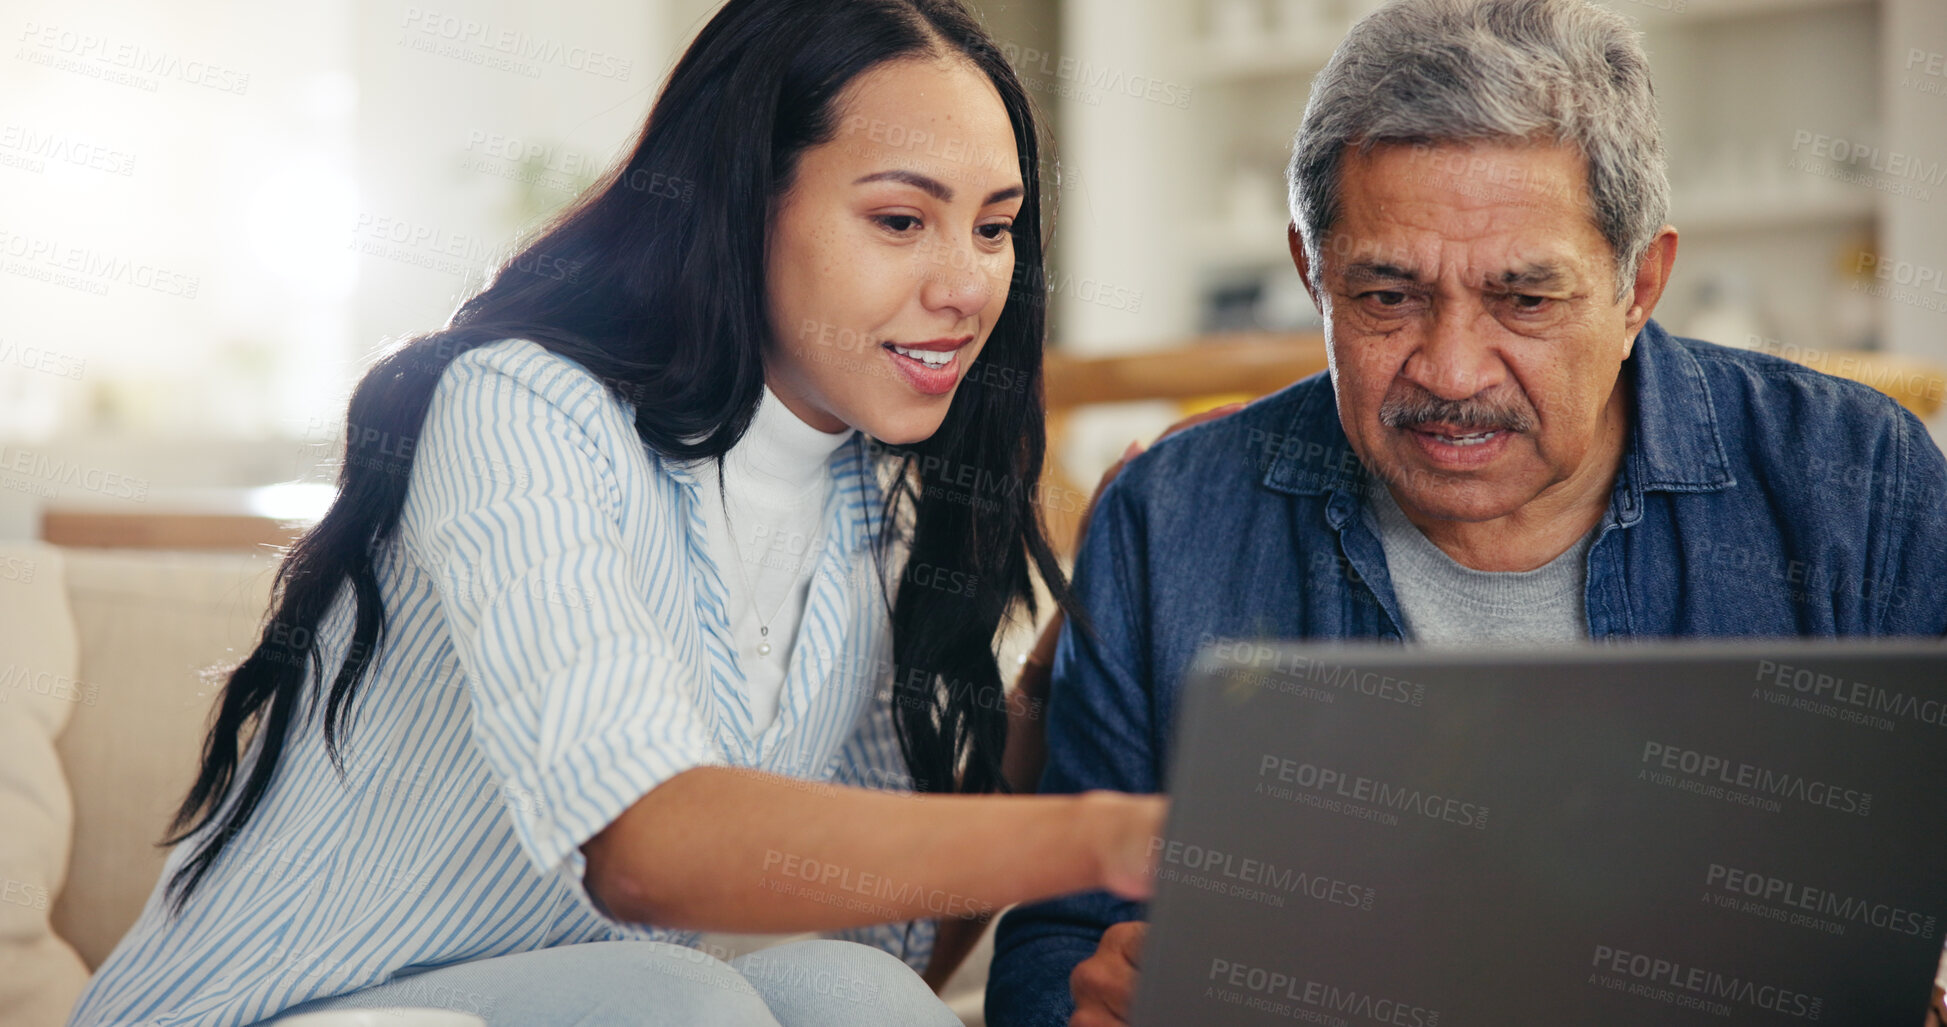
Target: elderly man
[(1507, 449)]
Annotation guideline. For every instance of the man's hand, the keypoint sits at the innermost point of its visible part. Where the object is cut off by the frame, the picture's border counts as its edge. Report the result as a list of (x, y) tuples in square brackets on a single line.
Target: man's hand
[(1105, 983)]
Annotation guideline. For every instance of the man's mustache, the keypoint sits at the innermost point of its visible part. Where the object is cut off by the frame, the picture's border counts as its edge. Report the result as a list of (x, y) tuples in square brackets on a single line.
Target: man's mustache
[(1409, 406)]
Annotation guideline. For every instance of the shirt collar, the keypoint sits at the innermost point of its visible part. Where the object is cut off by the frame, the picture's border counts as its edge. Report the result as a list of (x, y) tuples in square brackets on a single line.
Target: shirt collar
[(1674, 441), (857, 497)]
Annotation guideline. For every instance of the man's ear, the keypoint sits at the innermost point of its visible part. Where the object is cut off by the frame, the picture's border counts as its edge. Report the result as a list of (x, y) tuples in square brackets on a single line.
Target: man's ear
[(1651, 277), (1302, 262)]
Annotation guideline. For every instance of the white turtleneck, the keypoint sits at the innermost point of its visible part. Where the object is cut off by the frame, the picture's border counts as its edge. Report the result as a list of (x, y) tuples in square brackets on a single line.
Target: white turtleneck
[(777, 480)]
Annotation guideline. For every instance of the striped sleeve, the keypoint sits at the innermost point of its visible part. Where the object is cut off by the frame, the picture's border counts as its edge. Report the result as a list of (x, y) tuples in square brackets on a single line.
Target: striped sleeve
[(581, 705)]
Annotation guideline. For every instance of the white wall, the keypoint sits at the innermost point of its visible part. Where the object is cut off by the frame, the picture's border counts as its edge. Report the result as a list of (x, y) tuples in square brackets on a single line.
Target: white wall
[(1127, 113)]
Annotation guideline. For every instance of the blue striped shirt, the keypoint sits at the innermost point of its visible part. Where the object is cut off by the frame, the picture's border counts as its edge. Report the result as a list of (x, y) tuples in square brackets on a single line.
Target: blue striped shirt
[(556, 647)]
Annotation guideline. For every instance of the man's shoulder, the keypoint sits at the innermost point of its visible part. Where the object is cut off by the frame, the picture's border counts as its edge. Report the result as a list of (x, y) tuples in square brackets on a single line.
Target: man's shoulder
[(1759, 381), (1743, 412), (1238, 449), (1798, 434), (1820, 472)]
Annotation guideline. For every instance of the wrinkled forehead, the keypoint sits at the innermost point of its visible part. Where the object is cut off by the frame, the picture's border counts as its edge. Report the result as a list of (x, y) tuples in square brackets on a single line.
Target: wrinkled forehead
[(1507, 213), (1541, 174)]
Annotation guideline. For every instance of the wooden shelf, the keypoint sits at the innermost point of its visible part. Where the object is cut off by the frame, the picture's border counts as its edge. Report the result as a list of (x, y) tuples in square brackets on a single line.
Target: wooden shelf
[(1256, 363), (1239, 364), (157, 530), (202, 518)]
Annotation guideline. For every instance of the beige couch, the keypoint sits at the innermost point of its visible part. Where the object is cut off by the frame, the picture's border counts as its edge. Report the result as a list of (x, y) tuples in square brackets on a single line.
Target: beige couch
[(102, 709), (103, 699)]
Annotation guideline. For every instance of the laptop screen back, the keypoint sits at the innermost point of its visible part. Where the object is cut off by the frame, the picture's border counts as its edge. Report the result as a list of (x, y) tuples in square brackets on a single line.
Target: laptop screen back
[(1725, 834)]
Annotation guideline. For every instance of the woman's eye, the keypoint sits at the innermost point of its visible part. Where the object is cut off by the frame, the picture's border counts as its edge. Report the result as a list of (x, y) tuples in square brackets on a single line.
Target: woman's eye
[(996, 231), (898, 224)]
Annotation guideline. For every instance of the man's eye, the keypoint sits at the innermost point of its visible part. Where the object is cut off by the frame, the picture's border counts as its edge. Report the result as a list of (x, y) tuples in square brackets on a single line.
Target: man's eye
[(1387, 297), (899, 224), (1526, 302)]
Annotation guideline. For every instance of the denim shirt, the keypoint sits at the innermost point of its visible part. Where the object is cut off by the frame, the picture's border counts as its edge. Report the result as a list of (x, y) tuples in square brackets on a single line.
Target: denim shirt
[(1756, 497)]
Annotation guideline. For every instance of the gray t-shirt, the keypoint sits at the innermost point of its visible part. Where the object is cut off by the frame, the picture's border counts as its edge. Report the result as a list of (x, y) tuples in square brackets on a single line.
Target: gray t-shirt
[(1446, 603)]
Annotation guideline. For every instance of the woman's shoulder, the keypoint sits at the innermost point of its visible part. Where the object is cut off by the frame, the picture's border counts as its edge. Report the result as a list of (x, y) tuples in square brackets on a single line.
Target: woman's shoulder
[(516, 400), (490, 375), (528, 366)]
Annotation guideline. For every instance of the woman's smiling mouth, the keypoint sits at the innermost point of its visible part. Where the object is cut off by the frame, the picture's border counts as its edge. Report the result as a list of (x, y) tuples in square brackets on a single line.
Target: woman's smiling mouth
[(932, 368)]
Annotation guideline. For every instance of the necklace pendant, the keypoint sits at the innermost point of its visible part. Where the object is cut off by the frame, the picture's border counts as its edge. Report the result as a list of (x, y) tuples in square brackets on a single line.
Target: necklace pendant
[(763, 648)]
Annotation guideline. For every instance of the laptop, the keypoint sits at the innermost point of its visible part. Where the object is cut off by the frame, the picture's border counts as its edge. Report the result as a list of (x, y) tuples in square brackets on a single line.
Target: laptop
[(1671, 834)]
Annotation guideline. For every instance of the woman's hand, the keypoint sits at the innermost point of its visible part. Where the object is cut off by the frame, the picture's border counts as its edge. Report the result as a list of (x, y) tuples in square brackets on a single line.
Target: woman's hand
[(1128, 833), (1123, 832), (734, 849)]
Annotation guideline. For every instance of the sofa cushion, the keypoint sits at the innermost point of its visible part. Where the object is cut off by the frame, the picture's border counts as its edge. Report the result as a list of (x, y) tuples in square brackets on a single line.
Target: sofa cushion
[(150, 625), (40, 975)]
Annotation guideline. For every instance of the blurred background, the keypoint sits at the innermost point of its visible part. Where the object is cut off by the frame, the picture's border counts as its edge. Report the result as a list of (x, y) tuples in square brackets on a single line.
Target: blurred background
[(212, 213)]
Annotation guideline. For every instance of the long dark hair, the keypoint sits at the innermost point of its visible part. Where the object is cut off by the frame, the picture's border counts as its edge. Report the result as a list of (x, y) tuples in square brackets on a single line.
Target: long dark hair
[(654, 281)]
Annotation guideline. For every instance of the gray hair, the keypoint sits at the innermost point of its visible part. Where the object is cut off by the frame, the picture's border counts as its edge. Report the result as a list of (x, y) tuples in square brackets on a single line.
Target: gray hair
[(1439, 71)]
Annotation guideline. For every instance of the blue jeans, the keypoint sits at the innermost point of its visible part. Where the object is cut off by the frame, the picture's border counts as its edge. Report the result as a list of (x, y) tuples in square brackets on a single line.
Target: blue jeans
[(818, 983)]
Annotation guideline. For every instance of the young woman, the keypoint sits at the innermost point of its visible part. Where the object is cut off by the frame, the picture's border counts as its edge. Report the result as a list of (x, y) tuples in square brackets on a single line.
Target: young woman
[(658, 580)]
